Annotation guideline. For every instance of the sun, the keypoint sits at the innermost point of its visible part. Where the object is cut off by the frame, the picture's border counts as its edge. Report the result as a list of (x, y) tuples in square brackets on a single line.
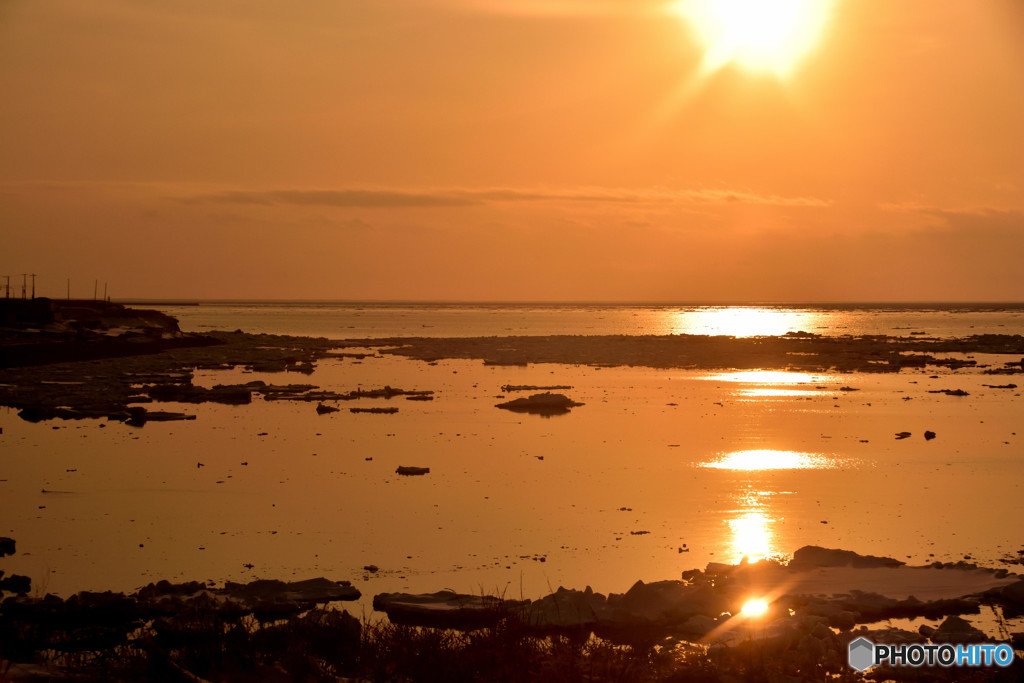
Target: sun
[(759, 35)]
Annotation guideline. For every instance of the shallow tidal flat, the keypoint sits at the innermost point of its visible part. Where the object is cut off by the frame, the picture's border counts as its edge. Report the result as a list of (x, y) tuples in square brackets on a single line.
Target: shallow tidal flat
[(662, 469)]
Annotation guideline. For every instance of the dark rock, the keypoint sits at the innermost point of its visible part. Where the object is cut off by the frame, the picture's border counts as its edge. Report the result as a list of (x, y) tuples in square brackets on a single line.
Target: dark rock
[(445, 609), (15, 583), (545, 404), (412, 471), (812, 556), (567, 609), (308, 592), (957, 630), (140, 416)]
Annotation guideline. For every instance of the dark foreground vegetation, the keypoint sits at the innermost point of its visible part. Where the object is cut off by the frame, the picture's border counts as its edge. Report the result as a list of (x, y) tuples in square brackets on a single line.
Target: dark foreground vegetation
[(275, 631), (204, 643)]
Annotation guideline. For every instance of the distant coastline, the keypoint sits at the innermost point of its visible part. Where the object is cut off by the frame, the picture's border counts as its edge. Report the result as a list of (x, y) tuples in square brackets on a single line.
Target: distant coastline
[(813, 305)]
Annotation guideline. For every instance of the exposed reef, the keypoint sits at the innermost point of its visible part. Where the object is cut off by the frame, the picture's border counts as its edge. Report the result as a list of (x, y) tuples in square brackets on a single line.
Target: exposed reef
[(834, 588), (869, 353)]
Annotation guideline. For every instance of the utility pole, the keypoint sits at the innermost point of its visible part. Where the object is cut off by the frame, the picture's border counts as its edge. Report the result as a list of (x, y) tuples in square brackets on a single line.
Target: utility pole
[(95, 286), (33, 276), (69, 289), (104, 291), (23, 283), (7, 287)]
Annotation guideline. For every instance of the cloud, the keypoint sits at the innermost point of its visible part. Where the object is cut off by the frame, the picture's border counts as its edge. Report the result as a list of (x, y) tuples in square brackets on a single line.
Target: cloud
[(369, 199), (569, 8), (351, 198), (983, 220), (965, 218)]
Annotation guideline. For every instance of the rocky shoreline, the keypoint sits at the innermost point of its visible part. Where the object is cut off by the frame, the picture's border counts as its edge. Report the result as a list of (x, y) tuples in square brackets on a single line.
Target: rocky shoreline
[(793, 351), (811, 605), (107, 365)]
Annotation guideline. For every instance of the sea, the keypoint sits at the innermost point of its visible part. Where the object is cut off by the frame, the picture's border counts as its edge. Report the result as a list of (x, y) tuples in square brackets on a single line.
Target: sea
[(359, 320), (657, 472)]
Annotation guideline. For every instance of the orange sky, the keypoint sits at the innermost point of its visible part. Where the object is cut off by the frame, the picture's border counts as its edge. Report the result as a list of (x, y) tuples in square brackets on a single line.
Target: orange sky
[(458, 150)]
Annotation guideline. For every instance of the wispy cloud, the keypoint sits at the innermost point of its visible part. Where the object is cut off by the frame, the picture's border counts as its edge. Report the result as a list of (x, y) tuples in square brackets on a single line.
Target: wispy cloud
[(568, 8), (374, 199), (965, 216), (352, 198)]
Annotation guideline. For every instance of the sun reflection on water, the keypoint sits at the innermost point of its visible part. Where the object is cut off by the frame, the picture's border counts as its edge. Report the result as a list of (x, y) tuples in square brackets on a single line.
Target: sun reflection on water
[(751, 535), (767, 459), (776, 393), (745, 321), (769, 377)]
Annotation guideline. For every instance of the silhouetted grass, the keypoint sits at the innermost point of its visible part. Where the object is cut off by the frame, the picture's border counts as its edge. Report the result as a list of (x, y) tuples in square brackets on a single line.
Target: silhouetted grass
[(207, 642)]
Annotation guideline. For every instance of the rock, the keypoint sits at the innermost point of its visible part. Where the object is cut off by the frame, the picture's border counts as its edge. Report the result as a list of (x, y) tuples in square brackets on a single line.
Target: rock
[(902, 435), (812, 556), (843, 620), (698, 625), (545, 404), (509, 388), (322, 409), (567, 608), (6, 546), (186, 393), (303, 593), (666, 602), (928, 435), (155, 591), (957, 630), (445, 609), (15, 583), (410, 471), (384, 411), (887, 636), (140, 416)]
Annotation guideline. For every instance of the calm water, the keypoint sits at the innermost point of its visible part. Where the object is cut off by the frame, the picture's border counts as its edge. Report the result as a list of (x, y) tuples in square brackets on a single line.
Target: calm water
[(660, 470), (348, 320)]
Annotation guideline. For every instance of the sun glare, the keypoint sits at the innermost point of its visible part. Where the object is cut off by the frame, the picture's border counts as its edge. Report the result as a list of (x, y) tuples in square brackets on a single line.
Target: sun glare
[(758, 35), (754, 608)]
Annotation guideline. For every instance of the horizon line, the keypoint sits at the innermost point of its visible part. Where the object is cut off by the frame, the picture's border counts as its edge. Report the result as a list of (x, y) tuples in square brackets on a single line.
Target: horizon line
[(568, 302)]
